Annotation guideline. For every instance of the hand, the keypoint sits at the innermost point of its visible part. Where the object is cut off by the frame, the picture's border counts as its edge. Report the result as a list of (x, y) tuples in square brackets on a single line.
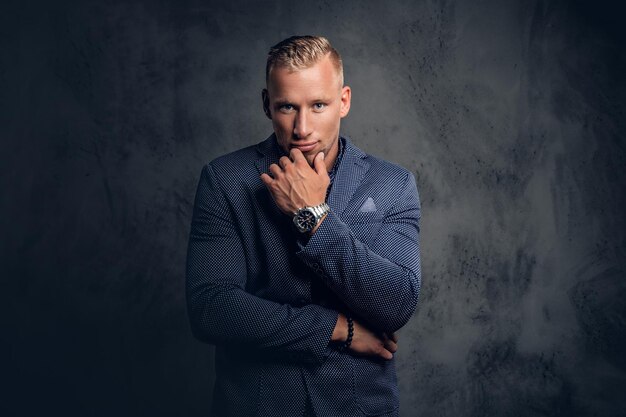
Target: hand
[(295, 183), (365, 341)]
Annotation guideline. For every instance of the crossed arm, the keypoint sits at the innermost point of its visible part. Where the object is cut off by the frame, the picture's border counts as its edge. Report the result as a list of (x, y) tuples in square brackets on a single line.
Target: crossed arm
[(381, 287)]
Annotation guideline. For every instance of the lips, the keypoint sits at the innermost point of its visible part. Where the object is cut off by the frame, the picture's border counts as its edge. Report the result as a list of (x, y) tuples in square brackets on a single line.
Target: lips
[(304, 147)]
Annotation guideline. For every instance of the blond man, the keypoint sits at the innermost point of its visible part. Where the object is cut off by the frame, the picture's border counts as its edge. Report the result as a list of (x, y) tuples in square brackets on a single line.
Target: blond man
[(303, 256)]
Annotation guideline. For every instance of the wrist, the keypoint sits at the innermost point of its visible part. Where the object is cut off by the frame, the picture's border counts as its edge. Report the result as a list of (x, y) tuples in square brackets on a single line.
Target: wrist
[(312, 232), (343, 332), (346, 344), (306, 219), (340, 333)]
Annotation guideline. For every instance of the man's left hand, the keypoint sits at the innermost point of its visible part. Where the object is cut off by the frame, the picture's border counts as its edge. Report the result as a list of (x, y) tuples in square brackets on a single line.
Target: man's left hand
[(295, 184)]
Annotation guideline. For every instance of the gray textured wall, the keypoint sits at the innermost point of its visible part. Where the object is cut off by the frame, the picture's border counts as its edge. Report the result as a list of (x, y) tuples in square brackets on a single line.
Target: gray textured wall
[(510, 113)]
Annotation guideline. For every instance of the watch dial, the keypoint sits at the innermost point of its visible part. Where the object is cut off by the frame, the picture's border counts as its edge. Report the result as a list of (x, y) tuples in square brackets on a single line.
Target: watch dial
[(306, 220)]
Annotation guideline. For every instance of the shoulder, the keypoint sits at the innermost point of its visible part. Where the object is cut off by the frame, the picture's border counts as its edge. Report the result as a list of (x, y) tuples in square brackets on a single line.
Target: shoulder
[(238, 166), (235, 160), (379, 169), (392, 169)]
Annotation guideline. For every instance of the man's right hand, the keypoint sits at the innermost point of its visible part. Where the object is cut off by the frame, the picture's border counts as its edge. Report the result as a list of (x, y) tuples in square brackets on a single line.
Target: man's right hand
[(364, 341)]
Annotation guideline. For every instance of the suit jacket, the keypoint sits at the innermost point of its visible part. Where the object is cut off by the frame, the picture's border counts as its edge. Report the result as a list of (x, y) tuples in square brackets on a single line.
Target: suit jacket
[(268, 297)]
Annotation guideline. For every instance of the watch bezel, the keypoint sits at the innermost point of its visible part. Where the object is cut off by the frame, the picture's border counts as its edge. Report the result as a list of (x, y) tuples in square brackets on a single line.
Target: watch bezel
[(316, 211), (297, 219)]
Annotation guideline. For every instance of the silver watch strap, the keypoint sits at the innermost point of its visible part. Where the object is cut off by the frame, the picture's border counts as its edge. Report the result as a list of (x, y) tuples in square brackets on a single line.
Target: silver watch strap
[(320, 210)]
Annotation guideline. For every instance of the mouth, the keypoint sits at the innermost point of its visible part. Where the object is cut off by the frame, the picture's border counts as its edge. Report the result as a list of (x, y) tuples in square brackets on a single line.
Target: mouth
[(304, 147)]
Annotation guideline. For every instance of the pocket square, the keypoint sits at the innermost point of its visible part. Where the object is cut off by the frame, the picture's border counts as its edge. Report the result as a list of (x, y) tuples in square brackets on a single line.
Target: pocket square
[(368, 206)]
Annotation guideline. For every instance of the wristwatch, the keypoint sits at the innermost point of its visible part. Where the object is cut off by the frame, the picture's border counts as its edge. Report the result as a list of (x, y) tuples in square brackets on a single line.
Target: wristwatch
[(306, 218)]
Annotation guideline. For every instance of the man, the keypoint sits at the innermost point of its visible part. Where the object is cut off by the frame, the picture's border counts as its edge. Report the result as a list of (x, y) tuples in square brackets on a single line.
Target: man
[(303, 255)]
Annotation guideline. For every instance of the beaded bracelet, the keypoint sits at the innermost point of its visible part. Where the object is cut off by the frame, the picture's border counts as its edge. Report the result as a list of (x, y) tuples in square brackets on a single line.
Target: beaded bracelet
[(348, 341)]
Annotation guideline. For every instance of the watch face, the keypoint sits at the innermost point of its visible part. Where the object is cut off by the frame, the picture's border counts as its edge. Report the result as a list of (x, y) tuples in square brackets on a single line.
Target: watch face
[(305, 220)]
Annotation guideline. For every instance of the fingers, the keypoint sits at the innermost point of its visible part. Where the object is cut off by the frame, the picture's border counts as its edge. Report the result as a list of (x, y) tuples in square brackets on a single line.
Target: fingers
[(284, 161), (267, 180), (275, 170), (385, 354), (383, 349), (389, 344), (319, 165), (368, 342), (296, 155)]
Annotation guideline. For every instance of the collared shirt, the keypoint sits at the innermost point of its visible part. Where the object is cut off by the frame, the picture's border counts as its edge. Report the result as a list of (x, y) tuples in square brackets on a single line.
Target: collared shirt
[(333, 170)]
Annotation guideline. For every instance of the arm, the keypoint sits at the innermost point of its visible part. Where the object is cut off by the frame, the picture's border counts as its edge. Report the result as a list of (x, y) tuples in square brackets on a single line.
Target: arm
[(220, 310), (379, 283)]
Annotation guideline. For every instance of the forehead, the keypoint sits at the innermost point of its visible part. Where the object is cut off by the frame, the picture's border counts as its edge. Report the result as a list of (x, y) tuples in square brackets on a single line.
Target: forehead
[(320, 78)]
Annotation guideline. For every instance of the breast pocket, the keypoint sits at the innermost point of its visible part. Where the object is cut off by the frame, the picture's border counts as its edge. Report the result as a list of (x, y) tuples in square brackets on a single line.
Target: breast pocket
[(375, 385)]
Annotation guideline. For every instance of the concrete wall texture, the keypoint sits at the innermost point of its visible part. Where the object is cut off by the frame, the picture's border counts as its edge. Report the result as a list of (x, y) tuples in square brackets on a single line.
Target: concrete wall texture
[(510, 114)]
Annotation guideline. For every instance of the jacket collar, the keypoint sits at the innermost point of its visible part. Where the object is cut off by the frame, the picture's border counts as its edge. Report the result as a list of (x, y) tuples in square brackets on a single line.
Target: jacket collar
[(350, 173)]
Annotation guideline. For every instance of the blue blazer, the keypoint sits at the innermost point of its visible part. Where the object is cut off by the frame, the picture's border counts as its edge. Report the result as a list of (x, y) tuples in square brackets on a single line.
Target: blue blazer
[(268, 297)]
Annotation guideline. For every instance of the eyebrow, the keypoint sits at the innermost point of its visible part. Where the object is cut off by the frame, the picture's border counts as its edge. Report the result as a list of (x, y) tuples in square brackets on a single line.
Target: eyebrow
[(283, 101)]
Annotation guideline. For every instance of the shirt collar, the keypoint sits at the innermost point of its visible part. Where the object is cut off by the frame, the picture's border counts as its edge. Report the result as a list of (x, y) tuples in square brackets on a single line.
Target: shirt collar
[(333, 170)]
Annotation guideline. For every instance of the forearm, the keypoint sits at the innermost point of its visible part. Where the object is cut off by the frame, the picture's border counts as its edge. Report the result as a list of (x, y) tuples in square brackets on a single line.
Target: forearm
[(380, 283), (378, 290), (220, 310), (226, 314)]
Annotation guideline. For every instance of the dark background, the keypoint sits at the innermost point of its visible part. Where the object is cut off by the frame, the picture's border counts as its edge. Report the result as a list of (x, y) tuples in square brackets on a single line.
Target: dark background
[(510, 114)]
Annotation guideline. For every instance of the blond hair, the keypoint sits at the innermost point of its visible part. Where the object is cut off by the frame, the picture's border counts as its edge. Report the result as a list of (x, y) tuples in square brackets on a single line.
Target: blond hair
[(299, 52)]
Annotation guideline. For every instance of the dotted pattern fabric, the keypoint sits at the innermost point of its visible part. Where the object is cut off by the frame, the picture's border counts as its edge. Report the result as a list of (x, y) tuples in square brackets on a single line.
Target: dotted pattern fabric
[(268, 297)]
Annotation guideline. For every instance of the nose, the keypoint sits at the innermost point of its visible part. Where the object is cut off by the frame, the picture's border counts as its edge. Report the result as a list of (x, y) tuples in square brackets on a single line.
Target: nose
[(302, 126)]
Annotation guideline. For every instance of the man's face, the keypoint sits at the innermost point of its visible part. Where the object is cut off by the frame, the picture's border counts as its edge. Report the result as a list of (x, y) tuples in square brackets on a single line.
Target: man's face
[(306, 107)]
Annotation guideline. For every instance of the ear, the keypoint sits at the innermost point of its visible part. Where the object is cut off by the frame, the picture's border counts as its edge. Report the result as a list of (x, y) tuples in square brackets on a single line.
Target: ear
[(266, 103), (346, 96)]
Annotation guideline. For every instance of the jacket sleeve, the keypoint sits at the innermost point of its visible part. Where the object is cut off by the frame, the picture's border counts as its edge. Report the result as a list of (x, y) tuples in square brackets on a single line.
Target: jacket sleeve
[(219, 308), (380, 283)]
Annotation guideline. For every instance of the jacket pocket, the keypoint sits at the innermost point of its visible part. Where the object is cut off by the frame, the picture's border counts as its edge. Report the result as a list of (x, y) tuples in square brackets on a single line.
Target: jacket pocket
[(375, 385), (366, 232)]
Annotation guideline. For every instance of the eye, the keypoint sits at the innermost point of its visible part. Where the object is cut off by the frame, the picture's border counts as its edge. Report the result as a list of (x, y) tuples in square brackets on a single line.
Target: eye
[(319, 106), (286, 108)]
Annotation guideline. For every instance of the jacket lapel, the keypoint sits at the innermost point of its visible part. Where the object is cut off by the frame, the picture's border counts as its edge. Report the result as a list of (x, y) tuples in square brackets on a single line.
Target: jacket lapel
[(349, 175), (270, 154)]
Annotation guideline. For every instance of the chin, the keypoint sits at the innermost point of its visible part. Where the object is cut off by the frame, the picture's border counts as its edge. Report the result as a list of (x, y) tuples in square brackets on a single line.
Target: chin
[(310, 158)]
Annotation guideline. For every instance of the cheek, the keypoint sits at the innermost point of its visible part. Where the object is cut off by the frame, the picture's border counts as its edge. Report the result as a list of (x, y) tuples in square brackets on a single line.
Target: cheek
[(330, 121), (282, 123), (283, 132)]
